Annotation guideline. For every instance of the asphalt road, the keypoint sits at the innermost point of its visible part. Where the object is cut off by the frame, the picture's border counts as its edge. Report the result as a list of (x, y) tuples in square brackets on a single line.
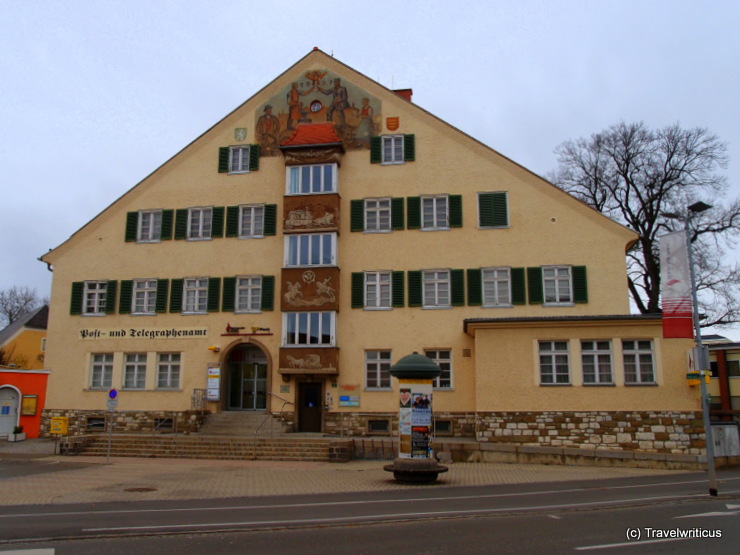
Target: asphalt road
[(635, 515)]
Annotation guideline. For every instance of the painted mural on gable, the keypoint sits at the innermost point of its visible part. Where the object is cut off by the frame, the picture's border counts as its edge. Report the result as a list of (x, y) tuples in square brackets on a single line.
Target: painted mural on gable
[(318, 96)]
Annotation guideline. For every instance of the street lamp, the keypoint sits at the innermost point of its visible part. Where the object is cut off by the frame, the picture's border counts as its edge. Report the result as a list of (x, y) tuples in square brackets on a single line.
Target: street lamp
[(702, 356)]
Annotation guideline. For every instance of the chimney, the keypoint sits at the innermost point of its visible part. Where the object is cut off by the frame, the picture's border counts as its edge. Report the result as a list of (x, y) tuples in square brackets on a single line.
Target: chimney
[(404, 93)]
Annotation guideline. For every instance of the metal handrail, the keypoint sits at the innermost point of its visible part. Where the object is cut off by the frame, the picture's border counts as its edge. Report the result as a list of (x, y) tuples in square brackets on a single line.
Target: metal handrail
[(267, 416)]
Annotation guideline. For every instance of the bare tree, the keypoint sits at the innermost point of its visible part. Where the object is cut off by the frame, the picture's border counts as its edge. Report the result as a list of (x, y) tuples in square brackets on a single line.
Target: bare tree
[(637, 176), (15, 302)]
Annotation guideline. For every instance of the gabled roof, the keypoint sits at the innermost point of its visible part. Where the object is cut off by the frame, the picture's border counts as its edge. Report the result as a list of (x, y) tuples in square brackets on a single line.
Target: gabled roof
[(36, 319), (312, 134), (314, 56)]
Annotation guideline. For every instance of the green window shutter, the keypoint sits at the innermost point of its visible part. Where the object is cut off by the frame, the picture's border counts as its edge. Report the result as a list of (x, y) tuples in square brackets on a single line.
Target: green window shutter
[(456, 216), (217, 221), (457, 287), (223, 159), (398, 294), (485, 210), (357, 215), (409, 148), (167, 217), (160, 305), (270, 219), (500, 210), (232, 221), (358, 289), (181, 223), (475, 287), (268, 292), (124, 300), (228, 299), (214, 294), (413, 207), (254, 158), (580, 284), (518, 288), (415, 289), (376, 150), (493, 210), (397, 214), (111, 289), (78, 291), (534, 285), (132, 222), (176, 295)]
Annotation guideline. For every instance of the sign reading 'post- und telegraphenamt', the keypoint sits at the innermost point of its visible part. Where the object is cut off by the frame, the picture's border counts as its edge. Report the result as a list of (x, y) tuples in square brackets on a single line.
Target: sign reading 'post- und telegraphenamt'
[(143, 333)]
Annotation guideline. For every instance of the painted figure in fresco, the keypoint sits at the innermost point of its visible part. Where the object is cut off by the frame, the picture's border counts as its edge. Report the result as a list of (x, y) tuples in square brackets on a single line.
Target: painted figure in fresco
[(339, 101), (366, 129), (268, 132), (295, 106)]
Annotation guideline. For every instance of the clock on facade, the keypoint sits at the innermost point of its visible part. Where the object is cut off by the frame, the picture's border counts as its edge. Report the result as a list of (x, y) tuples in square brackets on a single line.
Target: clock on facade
[(316, 106)]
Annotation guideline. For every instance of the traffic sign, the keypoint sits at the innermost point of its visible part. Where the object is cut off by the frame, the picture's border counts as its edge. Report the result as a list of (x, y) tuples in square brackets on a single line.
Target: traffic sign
[(112, 394), (112, 404)]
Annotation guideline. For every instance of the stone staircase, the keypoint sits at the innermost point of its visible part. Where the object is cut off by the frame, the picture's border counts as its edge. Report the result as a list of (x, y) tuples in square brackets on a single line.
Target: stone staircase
[(251, 424), (294, 447)]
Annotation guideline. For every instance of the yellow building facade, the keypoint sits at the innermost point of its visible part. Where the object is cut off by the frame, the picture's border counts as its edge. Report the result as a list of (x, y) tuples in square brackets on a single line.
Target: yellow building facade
[(324, 229)]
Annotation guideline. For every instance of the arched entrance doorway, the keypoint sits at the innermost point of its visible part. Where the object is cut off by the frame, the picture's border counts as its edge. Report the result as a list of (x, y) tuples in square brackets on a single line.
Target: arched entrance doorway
[(246, 386), (9, 400)]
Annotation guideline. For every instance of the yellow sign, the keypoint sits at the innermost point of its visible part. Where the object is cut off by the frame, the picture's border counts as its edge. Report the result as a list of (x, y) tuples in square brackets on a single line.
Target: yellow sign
[(59, 425), (29, 405)]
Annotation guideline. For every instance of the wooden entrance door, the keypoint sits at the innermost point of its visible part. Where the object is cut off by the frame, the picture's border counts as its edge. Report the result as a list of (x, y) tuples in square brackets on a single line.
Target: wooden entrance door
[(310, 406)]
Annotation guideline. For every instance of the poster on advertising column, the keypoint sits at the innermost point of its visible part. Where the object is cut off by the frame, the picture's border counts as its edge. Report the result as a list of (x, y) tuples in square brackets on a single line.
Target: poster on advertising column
[(213, 387), (415, 419)]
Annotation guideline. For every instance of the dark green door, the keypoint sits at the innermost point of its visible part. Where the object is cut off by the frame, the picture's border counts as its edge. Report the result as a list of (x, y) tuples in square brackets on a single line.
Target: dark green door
[(247, 383)]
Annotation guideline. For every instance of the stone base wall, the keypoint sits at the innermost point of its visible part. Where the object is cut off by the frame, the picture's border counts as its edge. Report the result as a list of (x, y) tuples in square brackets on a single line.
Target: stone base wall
[(356, 424), (124, 421), (643, 431)]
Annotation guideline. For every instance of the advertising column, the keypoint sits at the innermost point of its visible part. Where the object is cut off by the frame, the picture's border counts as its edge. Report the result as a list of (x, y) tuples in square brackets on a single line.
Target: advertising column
[(415, 419)]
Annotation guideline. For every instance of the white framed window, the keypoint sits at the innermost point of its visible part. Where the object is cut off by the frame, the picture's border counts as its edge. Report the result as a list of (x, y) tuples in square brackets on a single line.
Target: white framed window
[(378, 369), (252, 220), (436, 288), (558, 284), (239, 159), (378, 289), (95, 293), (101, 371), (168, 370), (200, 221), (378, 215), (195, 295), (554, 363), (435, 212), (149, 229), (443, 358), (144, 297), (310, 180), (496, 286), (309, 328), (134, 371), (248, 294), (311, 249), (392, 146), (596, 361), (639, 367)]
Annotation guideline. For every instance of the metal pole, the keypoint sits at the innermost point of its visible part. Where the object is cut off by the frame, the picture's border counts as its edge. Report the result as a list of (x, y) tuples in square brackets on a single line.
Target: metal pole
[(110, 436), (704, 364)]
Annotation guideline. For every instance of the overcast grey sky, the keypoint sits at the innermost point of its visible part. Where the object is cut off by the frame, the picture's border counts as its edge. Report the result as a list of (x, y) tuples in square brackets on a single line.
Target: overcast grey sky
[(95, 95)]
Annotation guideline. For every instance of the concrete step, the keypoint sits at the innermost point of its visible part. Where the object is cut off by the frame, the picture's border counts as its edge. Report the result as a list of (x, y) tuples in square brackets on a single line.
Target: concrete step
[(242, 423), (208, 447)]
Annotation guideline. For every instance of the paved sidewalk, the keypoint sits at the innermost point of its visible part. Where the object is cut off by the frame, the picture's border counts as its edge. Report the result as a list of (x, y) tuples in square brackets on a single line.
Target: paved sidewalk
[(132, 479)]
